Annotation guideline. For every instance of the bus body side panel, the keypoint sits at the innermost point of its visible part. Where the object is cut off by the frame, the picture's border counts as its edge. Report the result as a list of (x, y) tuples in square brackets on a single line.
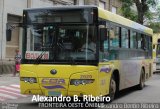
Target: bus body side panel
[(131, 72), (105, 72), (148, 68)]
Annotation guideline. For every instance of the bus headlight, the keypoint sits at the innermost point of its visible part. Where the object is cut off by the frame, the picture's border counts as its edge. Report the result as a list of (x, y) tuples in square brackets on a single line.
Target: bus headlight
[(25, 80), (77, 82), (29, 79)]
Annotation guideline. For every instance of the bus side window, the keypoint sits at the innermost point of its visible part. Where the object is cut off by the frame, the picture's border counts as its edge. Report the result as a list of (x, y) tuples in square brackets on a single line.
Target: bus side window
[(139, 39), (124, 38), (114, 36), (143, 42), (133, 39)]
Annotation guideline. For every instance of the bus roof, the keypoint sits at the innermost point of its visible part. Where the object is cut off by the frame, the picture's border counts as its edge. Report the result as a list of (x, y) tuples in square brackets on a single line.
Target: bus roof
[(104, 14), (62, 7)]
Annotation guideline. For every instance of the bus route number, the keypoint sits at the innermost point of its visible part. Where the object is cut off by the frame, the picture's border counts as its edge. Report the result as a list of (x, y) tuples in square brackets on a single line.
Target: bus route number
[(86, 76)]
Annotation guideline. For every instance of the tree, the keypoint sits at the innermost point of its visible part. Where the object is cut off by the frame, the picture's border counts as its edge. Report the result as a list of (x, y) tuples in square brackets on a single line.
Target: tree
[(155, 26), (142, 7)]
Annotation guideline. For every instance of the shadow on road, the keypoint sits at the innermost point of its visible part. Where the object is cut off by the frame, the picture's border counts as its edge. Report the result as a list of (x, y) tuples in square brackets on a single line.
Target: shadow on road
[(128, 91)]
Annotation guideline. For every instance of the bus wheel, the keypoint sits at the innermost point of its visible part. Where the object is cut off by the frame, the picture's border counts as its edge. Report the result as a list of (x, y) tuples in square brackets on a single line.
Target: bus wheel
[(142, 81), (112, 88)]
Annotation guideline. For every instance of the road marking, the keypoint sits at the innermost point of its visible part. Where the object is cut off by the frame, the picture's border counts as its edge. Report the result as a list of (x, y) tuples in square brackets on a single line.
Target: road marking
[(15, 91), (10, 92), (10, 88), (13, 85)]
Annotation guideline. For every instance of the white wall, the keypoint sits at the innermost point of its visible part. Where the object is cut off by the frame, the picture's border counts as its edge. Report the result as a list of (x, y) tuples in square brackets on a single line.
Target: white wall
[(1, 10), (41, 3), (14, 8)]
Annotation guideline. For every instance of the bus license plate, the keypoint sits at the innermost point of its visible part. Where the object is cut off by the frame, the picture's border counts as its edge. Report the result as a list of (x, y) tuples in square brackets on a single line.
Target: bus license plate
[(54, 93)]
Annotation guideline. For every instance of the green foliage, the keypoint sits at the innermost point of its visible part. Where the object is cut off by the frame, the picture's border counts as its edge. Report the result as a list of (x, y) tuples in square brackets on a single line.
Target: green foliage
[(148, 16), (158, 12), (142, 7), (155, 26), (127, 11), (152, 3)]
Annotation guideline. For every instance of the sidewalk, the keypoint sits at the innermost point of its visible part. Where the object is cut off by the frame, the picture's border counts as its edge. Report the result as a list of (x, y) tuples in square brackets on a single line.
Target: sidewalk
[(6, 66), (7, 79), (8, 75)]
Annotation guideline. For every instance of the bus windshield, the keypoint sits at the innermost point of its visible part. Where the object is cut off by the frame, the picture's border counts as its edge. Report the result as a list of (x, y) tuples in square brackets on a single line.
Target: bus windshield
[(61, 43), (60, 36)]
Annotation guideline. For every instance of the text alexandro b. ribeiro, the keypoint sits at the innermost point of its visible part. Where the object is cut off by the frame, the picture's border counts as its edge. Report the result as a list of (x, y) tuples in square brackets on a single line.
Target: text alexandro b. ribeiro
[(75, 98)]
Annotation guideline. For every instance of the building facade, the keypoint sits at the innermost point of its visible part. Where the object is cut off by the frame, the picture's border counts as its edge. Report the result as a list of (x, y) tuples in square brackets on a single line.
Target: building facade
[(11, 11), (110, 5)]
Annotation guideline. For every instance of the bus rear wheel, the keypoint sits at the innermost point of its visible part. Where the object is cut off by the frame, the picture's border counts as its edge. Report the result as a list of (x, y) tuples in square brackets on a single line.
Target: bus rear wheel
[(112, 88), (141, 84)]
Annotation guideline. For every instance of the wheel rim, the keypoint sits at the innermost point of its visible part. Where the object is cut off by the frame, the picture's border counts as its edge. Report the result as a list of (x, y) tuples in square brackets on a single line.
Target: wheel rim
[(112, 88)]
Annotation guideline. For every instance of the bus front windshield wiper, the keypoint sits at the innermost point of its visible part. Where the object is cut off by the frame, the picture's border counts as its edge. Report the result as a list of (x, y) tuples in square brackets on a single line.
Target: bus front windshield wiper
[(37, 61)]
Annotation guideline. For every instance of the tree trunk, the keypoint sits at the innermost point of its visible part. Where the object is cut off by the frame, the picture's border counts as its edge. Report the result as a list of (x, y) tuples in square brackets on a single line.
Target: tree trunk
[(140, 17), (141, 8)]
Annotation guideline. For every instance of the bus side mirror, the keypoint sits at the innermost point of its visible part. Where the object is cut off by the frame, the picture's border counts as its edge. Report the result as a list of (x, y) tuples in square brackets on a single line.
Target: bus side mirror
[(103, 34), (8, 34), (11, 26)]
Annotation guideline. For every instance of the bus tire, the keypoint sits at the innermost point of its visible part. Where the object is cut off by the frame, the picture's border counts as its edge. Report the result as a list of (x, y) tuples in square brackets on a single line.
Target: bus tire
[(141, 84), (112, 88)]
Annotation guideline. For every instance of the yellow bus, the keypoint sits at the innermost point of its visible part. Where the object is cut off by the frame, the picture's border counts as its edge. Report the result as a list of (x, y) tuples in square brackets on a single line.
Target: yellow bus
[(156, 52), (83, 50)]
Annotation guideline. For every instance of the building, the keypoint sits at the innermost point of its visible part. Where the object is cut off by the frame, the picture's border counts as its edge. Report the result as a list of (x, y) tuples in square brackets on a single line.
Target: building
[(11, 11), (111, 5)]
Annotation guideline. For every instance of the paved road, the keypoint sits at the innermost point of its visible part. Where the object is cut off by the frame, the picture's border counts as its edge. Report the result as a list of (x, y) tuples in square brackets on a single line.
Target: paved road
[(9, 92), (150, 93)]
